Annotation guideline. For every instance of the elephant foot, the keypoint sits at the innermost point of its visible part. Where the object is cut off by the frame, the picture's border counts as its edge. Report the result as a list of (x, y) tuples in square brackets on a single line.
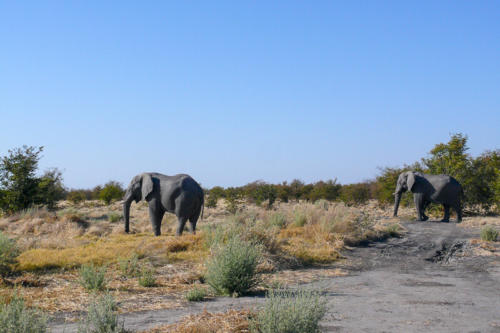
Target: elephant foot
[(445, 220)]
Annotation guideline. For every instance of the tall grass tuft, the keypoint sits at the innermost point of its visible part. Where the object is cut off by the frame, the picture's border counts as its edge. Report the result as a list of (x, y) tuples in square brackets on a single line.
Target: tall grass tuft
[(277, 220), (15, 317), (489, 233), (287, 311), (92, 278), (8, 254), (129, 267), (196, 294), (147, 278), (232, 270), (102, 317)]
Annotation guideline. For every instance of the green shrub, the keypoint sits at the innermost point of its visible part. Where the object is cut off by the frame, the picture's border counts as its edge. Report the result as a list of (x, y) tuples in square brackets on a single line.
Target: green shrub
[(8, 253), (147, 278), (212, 201), (232, 270), (196, 294), (114, 217), (15, 317), (277, 220), (102, 317), (92, 278), (300, 219), (489, 233), (129, 266), (287, 311), (111, 191)]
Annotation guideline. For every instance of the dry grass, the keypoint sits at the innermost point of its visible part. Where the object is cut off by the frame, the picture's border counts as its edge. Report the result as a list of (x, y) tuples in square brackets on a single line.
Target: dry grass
[(480, 221), (231, 321), (55, 244)]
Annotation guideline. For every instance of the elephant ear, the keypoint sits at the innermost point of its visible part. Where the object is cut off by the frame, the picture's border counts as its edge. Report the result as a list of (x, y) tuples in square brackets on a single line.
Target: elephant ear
[(147, 186), (410, 180)]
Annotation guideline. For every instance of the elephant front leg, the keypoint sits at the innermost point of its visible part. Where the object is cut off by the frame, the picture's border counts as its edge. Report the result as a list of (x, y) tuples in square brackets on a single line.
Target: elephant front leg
[(155, 216), (419, 204), (180, 225)]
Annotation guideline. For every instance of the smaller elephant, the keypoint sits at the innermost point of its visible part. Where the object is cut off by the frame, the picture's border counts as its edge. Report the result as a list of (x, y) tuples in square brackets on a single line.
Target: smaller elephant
[(426, 188), (179, 194)]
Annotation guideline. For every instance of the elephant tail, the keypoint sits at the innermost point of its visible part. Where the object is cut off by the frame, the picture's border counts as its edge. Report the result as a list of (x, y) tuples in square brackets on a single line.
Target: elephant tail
[(202, 205)]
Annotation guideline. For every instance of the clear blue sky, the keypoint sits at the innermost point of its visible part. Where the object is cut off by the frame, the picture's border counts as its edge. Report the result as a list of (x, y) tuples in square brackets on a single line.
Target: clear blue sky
[(235, 91)]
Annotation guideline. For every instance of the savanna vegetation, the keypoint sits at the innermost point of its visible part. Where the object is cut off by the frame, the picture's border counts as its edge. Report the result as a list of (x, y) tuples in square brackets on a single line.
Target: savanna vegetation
[(65, 250)]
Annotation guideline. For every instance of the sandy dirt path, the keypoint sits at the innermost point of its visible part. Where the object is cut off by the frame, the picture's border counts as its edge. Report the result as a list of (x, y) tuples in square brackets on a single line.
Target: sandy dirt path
[(429, 280)]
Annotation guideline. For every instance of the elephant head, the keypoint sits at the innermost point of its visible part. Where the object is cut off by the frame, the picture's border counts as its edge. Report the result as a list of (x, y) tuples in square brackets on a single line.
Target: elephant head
[(139, 189), (405, 182)]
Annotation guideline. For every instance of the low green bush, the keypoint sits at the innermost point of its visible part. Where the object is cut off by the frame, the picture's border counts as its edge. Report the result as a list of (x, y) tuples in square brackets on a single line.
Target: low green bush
[(102, 317), (114, 217), (15, 317), (287, 311), (147, 278), (232, 270), (489, 234), (92, 278), (196, 294), (8, 254)]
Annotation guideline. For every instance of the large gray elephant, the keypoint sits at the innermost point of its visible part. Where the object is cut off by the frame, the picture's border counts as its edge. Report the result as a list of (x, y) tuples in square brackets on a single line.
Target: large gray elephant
[(179, 194), (426, 188)]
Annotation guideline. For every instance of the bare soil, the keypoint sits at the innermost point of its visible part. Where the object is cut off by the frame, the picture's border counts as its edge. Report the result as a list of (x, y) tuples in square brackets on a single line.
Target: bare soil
[(436, 277)]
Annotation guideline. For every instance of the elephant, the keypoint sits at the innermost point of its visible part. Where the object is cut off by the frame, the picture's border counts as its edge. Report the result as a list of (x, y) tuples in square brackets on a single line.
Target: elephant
[(179, 194), (427, 188)]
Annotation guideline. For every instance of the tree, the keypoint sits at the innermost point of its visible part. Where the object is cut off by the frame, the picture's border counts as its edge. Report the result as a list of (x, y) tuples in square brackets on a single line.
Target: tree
[(50, 188), (111, 191), (450, 158), (18, 182)]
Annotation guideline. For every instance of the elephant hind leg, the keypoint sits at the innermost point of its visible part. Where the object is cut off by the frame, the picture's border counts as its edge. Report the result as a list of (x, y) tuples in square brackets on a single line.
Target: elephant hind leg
[(458, 209), (180, 225), (446, 217), (193, 219)]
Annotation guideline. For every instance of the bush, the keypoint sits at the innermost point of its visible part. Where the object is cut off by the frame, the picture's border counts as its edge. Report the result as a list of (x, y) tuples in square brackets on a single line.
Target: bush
[(114, 217), (111, 191), (8, 254), (147, 278), (76, 196), (102, 317), (92, 278), (196, 294), (489, 234), (232, 271), (287, 311), (355, 194), (129, 266), (212, 201), (15, 317)]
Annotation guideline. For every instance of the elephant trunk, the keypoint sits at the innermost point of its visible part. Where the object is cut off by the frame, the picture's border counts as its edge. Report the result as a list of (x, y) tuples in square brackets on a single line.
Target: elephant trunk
[(126, 211), (397, 199)]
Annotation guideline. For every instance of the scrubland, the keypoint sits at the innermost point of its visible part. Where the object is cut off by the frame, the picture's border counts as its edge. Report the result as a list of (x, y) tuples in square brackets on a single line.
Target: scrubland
[(296, 242)]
